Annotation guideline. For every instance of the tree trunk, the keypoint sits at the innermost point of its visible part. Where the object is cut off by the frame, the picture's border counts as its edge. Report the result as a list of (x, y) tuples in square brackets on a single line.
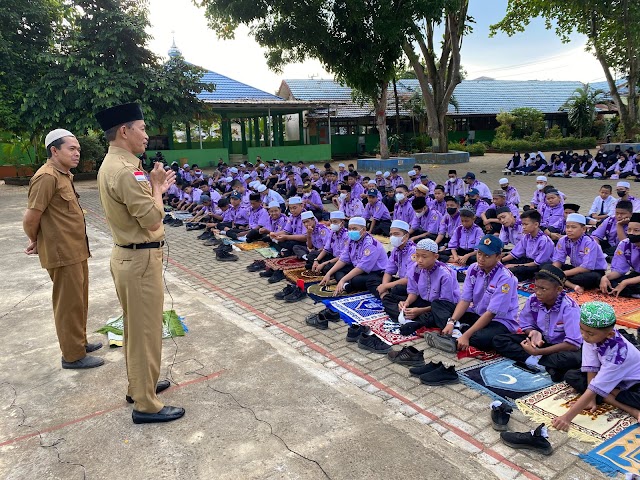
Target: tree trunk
[(397, 102), (380, 105)]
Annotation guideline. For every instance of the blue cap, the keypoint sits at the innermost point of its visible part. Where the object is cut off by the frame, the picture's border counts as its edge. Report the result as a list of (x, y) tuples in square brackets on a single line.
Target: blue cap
[(236, 196), (470, 175), (473, 191), (372, 192), (394, 170), (204, 198), (490, 245)]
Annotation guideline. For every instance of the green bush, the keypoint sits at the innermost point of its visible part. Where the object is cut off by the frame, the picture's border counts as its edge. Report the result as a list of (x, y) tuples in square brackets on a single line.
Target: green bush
[(554, 132), (475, 149), (547, 144), (422, 142)]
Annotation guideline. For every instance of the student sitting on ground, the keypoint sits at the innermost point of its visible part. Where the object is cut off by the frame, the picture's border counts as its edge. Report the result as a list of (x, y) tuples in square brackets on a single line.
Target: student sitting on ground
[(429, 280), (533, 249), (316, 236), (450, 221), (274, 222), (403, 209), (489, 217), (438, 202), (624, 277), (426, 221), (361, 264), (603, 206), (537, 201), (477, 205), (550, 323), (394, 281), (613, 229), (236, 217), (587, 262), (376, 214), (351, 206), (512, 195), (488, 304), (463, 242), (569, 208), (333, 246), (511, 231), (610, 366), (552, 212), (258, 218), (311, 201)]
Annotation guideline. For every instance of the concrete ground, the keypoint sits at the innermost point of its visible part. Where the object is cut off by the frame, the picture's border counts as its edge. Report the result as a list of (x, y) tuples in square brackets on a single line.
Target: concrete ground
[(266, 396)]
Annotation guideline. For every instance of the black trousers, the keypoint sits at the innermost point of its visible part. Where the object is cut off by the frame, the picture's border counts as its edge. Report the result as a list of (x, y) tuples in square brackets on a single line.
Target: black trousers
[(608, 249), (445, 255), (392, 298), (578, 380), (419, 231), (587, 280), (382, 227), (494, 227), (234, 233), (255, 236), (365, 281), (523, 273), (311, 256), (630, 289), (288, 245), (509, 346)]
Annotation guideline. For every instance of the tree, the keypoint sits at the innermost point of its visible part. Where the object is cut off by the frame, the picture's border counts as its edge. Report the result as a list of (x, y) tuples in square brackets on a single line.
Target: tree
[(611, 27), (527, 121), (582, 109)]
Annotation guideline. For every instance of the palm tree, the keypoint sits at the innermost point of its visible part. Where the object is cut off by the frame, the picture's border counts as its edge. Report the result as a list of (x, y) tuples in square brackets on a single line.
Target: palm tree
[(582, 109)]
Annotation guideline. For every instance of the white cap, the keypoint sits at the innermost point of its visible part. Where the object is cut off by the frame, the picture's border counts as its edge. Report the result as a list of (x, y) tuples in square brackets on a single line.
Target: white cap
[(307, 215), (254, 184), (623, 184), (358, 221), (386, 174), (503, 181), (312, 167), (228, 179), (246, 176), (576, 217), (337, 214), (242, 165), (428, 245), (295, 201), (186, 165), (261, 165), (378, 172), (400, 224), (261, 188), (341, 164), (233, 170), (274, 204), (541, 178), (371, 182), (411, 173), (56, 134)]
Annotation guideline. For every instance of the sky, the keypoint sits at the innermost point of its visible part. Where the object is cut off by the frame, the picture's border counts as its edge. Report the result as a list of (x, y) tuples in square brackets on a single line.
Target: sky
[(536, 54)]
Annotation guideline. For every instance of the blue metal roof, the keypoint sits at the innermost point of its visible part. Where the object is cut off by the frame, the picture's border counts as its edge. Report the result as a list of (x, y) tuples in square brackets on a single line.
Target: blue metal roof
[(475, 97), (228, 89)]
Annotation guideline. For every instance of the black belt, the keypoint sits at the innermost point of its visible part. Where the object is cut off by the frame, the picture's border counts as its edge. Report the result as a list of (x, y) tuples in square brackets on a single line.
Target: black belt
[(141, 246)]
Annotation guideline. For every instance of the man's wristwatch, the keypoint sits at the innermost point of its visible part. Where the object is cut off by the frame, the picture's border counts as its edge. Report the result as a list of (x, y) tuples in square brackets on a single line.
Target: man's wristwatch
[(450, 321)]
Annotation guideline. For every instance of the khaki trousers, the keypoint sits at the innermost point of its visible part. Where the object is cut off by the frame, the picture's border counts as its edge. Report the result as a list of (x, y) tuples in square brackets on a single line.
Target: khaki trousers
[(70, 306), (137, 275)]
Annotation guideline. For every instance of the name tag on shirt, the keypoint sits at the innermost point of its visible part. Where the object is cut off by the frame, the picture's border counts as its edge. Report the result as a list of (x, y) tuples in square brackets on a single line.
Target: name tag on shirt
[(140, 176)]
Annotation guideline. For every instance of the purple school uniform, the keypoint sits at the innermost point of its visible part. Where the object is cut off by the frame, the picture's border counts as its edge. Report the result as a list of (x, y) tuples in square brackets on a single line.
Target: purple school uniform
[(538, 200), (482, 188), (440, 207), (278, 224), (414, 183), (449, 224), (438, 283), (312, 197), (558, 324), (342, 176), (395, 181), (584, 252), (319, 235), (455, 188), (495, 292), (333, 187), (400, 261), (294, 226), (258, 217), (513, 196), (376, 211), (404, 211), (615, 361), (512, 234), (627, 257), (296, 181), (511, 206), (238, 215), (352, 208), (466, 238), (356, 190), (539, 248), (480, 207), (608, 231), (552, 216), (381, 182), (429, 222), (367, 254), (337, 242)]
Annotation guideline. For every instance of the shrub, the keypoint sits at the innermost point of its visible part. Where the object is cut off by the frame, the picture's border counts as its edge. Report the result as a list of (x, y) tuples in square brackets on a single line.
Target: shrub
[(475, 149), (422, 142), (92, 151), (554, 132), (547, 144)]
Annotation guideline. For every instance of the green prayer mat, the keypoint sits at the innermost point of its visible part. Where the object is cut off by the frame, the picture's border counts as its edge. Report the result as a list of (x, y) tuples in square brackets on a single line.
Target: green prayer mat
[(172, 325)]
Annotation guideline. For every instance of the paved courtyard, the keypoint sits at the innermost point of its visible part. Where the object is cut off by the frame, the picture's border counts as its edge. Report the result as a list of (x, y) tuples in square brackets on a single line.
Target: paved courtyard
[(267, 397)]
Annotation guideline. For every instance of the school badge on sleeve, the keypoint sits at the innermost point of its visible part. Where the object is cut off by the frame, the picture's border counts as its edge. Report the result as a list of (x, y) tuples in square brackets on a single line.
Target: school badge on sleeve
[(505, 288), (367, 252), (140, 176)]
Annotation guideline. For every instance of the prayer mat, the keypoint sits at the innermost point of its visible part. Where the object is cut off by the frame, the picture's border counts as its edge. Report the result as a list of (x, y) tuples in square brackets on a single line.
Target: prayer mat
[(302, 274), (627, 309), (473, 352), (382, 239), (526, 288), (358, 309), (320, 293), (172, 325), (503, 381), (619, 454), (180, 215), (286, 263), (555, 401), (267, 252), (245, 247), (388, 330)]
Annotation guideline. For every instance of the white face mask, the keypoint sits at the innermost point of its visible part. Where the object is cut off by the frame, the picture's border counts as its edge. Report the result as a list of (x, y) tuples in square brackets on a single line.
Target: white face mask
[(451, 180), (335, 227), (396, 241), (399, 197), (540, 187), (343, 196), (419, 214)]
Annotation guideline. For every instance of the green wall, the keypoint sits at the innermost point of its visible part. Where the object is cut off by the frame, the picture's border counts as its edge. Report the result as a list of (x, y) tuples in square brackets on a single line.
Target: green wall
[(205, 158), (305, 153)]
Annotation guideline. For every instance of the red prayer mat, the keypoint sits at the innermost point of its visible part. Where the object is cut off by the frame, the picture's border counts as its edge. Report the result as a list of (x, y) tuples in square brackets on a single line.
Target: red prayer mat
[(627, 309)]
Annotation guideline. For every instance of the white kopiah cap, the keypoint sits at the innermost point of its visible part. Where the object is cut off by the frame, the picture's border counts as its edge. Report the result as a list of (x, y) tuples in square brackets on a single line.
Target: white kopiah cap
[(246, 176), (428, 245), (261, 188), (338, 214), (378, 172), (186, 165), (274, 204), (386, 174), (228, 179), (400, 224), (358, 221), (541, 178), (341, 164), (233, 170), (261, 165), (503, 181), (307, 215), (295, 201), (623, 184), (254, 184), (56, 134), (411, 173), (312, 167), (576, 217), (371, 182)]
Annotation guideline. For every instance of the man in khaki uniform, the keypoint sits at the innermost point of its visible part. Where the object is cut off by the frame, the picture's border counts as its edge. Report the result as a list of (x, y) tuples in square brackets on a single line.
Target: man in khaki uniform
[(133, 206), (54, 223)]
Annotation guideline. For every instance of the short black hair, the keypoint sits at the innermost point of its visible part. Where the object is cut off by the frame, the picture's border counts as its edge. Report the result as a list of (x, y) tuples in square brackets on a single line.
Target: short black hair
[(451, 198), (353, 174), (439, 187), (418, 202), (532, 214), (57, 144), (625, 205), (254, 197), (223, 202), (465, 212), (346, 187), (403, 186), (608, 187)]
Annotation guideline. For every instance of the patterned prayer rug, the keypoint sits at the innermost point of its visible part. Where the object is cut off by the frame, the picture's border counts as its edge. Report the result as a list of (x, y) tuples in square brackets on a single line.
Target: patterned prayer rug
[(502, 380), (267, 252), (619, 454), (555, 401), (526, 288), (358, 309), (286, 263), (627, 309), (321, 293), (245, 247), (307, 276), (388, 330), (473, 352)]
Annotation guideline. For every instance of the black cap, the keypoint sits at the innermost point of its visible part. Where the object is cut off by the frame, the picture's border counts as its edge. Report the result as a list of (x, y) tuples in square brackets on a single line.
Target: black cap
[(572, 206), (503, 210), (635, 217), (394, 170), (114, 116)]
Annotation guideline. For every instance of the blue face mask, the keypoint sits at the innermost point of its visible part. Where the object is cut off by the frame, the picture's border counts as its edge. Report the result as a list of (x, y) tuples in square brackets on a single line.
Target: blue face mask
[(354, 235)]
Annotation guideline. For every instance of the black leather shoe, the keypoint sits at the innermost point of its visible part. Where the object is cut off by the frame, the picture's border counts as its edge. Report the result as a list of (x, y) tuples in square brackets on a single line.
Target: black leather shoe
[(167, 414), (87, 362), (161, 386), (276, 277), (92, 347)]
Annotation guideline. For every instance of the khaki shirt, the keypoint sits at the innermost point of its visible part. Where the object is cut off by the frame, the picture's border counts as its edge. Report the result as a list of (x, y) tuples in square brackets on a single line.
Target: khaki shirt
[(62, 238), (127, 200)]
